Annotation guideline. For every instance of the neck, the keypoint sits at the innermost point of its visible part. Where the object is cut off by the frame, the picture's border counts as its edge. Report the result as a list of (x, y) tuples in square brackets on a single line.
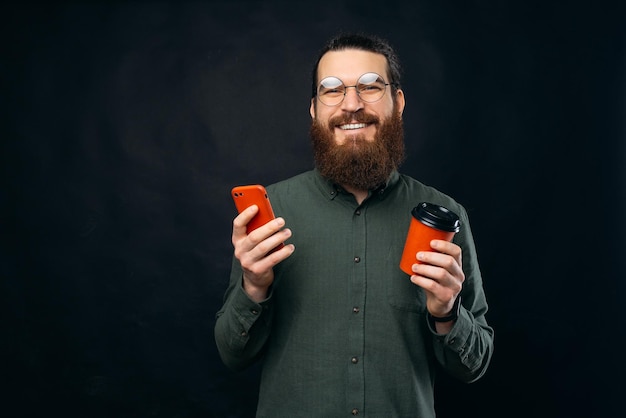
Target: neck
[(359, 195)]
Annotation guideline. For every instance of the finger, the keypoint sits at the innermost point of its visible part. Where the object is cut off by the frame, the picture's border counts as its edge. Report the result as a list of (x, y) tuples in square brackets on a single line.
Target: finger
[(263, 232), (439, 298), (277, 256), (260, 266), (426, 283), (433, 272), (262, 248), (444, 261), (242, 220), (255, 246), (436, 289), (447, 247)]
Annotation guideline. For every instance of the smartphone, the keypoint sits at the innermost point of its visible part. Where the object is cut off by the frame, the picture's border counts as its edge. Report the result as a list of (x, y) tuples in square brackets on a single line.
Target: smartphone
[(254, 194)]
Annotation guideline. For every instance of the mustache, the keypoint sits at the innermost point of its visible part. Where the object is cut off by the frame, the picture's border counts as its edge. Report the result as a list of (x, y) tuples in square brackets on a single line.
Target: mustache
[(357, 117)]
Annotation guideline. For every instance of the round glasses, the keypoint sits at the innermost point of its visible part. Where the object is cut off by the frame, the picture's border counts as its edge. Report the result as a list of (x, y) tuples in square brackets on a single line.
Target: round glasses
[(370, 87)]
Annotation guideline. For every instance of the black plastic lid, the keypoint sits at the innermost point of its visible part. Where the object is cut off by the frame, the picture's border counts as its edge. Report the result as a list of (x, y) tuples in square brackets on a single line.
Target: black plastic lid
[(437, 217)]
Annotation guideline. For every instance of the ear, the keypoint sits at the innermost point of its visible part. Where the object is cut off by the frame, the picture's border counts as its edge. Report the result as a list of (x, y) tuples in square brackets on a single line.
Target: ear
[(400, 102), (312, 108)]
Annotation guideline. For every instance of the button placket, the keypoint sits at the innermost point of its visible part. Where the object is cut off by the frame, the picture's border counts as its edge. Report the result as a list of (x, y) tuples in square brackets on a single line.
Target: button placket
[(355, 394)]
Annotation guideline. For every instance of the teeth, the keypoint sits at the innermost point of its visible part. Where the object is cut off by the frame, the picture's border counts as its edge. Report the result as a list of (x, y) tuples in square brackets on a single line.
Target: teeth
[(353, 126)]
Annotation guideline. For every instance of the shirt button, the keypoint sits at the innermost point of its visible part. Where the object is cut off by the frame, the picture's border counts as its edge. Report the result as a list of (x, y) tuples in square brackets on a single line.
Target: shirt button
[(254, 311), (354, 360), (356, 309), (357, 259), (357, 213), (355, 411), (244, 333)]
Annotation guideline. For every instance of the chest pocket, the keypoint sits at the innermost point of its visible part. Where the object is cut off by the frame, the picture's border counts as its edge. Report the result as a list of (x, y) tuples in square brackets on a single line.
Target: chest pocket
[(401, 293)]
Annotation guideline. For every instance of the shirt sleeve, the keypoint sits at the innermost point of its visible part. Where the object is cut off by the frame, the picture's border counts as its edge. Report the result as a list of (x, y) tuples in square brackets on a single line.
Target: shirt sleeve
[(242, 326), (465, 352)]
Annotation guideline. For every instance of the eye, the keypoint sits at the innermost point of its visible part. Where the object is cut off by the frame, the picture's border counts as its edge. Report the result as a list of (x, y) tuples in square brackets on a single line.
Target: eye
[(330, 83), (370, 87), (371, 78), (331, 87)]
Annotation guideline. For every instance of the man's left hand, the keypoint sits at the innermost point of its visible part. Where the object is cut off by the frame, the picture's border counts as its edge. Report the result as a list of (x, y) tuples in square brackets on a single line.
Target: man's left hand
[(440, 274)]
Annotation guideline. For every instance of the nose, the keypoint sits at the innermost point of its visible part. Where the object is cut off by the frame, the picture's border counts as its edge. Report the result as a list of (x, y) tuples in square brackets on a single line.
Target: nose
[(352, 101)]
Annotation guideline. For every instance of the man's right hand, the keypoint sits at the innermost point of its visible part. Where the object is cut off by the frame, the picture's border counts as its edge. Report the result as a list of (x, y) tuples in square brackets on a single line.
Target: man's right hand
[(252, 251)]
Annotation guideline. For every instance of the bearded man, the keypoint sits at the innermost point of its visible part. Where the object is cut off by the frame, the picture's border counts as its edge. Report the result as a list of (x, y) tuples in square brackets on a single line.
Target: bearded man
[(339, 328)]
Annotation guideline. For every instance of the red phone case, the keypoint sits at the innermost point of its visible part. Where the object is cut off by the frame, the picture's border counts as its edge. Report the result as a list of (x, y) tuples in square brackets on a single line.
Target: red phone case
[(254, 194)]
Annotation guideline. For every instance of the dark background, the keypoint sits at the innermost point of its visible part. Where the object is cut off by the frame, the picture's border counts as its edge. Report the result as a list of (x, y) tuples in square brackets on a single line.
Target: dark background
[(124, 126)]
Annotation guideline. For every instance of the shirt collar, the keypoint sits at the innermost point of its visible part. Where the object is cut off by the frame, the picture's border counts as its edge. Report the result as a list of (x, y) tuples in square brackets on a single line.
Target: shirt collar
[(331, 190)]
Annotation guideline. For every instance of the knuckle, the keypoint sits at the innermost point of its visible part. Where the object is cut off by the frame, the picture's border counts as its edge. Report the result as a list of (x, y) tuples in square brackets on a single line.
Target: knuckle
[(264, 246), (237, 222), (441, 275), (246, 263), (446, 297), (239, 254), (457, 289), (254, 269), (425, 284), (449, 263), (254, 238)]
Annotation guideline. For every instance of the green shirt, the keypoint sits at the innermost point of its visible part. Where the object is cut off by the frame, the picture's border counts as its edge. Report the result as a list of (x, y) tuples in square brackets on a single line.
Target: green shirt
[(344, 332)]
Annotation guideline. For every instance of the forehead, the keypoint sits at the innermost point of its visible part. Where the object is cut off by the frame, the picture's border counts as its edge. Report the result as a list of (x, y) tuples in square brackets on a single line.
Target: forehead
[(348, 65)]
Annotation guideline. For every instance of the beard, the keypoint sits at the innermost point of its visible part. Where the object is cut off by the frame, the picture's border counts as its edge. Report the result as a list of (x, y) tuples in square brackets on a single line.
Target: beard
[(359, 163)]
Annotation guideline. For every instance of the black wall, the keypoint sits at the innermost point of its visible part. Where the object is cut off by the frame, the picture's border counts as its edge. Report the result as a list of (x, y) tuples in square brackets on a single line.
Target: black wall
[(124, 126)]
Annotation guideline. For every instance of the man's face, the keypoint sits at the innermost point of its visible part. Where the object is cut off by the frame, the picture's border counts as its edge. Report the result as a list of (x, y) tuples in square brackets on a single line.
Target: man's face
[(348, 65), (356, 143)]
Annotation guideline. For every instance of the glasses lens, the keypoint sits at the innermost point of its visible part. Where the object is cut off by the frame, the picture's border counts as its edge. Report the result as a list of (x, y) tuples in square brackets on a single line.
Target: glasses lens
[(331, 91), (371, 87)]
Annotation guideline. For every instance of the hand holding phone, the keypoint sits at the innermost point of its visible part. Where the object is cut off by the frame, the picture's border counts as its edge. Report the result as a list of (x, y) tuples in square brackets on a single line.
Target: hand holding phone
[(254, 194)]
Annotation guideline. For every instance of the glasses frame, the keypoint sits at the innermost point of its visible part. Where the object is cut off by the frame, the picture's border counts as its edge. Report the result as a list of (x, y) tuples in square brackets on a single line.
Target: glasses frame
[(345, 91)]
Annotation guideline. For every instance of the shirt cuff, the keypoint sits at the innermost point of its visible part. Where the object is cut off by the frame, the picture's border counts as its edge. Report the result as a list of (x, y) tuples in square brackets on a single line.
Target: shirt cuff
[(249, 311), (457, 339)]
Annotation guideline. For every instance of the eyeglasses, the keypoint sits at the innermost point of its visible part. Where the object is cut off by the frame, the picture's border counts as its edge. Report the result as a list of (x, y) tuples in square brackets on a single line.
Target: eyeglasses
[(370, 87)]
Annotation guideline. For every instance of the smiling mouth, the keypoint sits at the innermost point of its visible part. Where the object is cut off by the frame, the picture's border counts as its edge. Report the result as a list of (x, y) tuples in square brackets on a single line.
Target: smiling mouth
[(350, 126)]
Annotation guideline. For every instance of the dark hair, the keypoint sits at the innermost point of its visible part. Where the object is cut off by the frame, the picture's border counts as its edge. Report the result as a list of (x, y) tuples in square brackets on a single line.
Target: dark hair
[(362, 42)]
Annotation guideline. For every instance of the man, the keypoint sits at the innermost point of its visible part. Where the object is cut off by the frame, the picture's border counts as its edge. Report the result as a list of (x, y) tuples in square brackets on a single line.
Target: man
[(339, 328)]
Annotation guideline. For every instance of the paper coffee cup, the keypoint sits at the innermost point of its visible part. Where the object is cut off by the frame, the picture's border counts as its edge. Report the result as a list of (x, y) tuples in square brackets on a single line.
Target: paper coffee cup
[(428, 222)]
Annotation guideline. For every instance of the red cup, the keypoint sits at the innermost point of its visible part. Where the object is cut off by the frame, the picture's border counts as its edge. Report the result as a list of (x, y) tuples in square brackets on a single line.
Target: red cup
[(428, 222)]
